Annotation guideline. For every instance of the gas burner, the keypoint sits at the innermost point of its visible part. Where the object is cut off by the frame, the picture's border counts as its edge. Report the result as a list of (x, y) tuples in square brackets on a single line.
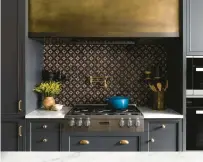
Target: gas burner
[(100, 111), (78, 113), (84, 110), (104, 111), (124, 114)]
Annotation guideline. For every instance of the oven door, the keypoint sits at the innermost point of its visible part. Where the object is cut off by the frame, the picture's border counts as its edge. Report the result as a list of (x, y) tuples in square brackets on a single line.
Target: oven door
[(194, 136), (198, 76)]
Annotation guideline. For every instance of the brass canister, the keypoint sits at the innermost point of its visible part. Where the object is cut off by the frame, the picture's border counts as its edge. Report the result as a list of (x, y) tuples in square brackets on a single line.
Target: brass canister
[(158, 100)]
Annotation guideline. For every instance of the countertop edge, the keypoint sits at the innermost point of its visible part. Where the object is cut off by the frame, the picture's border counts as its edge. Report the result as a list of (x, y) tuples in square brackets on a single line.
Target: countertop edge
[(44, 114), (147, 113), (164, 114)]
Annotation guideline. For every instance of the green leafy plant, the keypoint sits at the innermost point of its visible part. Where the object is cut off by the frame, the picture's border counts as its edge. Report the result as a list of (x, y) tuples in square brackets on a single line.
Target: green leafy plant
[(48, 89)]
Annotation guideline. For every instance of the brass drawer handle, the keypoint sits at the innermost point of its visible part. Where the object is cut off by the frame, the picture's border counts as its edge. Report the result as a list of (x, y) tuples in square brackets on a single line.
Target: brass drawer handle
[(124, 142), (45, 140), (20, 131), (19, 105), (152, 140), (44, 126), (163, 126), (84, 142)]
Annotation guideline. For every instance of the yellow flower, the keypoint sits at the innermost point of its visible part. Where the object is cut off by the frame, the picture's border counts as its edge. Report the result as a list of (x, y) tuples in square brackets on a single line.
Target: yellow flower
[(48, 89)]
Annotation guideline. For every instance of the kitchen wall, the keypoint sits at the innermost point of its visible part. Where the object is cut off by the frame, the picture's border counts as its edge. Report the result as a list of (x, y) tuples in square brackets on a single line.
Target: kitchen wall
[(123, 63)]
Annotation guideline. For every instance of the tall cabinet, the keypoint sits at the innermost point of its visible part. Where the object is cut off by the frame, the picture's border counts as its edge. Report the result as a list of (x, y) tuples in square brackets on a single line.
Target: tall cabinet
[(194, 27), (12, 72)]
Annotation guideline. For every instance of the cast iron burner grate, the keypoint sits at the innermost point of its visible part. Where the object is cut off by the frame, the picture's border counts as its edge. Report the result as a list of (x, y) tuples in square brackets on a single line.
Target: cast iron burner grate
[(102, 110)]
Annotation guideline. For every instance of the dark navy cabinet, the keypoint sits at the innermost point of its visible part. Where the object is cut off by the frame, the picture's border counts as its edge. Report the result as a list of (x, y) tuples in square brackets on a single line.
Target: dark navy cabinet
[(194, 27), (52, 135), (12, 75), (164, 135), (12, 64), (43, 135), (101, 141), (104, 143), (12, 135)]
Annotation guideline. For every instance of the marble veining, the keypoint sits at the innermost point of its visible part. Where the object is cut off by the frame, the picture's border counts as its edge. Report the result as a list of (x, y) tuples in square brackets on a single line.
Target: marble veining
[(101, 156)]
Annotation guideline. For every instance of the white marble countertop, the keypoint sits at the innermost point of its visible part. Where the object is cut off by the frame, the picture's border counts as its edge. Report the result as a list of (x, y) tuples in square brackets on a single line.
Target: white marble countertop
[(147, 112), (155, 114), (101, 156), (40, 113)]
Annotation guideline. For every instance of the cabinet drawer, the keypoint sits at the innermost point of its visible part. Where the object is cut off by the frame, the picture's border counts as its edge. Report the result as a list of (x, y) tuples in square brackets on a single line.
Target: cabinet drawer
[(159, 126), (85, 143), (44, 126), (45, 141), (163, 136)]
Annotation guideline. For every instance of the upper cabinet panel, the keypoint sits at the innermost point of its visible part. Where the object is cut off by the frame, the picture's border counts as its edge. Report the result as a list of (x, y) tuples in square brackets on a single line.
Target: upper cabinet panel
[(104, 18), (194, 27)]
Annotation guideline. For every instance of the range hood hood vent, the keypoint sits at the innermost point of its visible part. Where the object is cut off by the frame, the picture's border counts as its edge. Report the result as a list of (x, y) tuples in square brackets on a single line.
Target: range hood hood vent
[(104, 18)]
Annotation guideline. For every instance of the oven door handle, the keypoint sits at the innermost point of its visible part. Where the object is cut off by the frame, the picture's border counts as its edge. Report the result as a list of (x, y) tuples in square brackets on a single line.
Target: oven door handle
[(199, 112), (198, 69)]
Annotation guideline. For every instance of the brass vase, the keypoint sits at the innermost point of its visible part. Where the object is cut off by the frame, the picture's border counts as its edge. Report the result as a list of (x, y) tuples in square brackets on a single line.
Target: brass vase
[(158, 100), (49, 103)]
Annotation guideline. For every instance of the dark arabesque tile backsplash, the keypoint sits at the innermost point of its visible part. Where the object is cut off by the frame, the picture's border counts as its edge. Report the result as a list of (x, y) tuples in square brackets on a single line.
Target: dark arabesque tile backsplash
[(124, 63)]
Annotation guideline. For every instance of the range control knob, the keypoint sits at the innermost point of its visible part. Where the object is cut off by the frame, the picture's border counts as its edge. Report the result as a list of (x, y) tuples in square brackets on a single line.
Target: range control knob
[(72, 122), (87, 122), (137, 122), (122, 122), (130, 122), (79, 122)]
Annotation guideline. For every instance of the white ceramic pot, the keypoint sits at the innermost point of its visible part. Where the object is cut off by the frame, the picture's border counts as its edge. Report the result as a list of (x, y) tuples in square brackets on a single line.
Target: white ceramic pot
[(58, 107)]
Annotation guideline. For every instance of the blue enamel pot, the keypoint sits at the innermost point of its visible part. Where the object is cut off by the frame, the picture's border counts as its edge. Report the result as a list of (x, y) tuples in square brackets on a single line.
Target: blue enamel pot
[(118, 102)]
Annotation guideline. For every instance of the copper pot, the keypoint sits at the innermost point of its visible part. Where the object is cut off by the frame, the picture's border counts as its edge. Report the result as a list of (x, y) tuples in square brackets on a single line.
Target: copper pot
[(49, 103)]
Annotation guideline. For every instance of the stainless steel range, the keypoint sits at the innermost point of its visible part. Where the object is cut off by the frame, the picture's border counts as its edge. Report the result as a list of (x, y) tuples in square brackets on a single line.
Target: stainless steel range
[(100, 117)]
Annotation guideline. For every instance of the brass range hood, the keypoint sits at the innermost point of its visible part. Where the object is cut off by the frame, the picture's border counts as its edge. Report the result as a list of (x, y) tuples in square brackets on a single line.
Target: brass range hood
[(104, 18)]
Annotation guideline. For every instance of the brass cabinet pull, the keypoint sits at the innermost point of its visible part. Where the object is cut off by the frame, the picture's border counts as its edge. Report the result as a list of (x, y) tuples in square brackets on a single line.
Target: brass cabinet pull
[(19, 105), (20, 131), (152, 140), (124, 142), (84, 142), (45, 140), (163, 126), (44, 126)]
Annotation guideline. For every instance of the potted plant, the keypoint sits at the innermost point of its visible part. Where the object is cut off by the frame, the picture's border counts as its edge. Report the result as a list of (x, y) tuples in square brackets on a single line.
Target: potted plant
[(48, 90)]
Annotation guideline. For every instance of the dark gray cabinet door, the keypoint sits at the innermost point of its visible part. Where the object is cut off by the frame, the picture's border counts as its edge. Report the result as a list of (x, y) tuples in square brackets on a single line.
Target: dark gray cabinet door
[(12, 135), (43, 136), (164, 136), (45, 141), (12, 58), (194, 27)]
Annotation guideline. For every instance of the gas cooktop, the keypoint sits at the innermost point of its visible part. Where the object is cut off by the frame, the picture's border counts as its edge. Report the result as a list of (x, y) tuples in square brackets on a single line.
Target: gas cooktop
[(101, 117), (102, 109)]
